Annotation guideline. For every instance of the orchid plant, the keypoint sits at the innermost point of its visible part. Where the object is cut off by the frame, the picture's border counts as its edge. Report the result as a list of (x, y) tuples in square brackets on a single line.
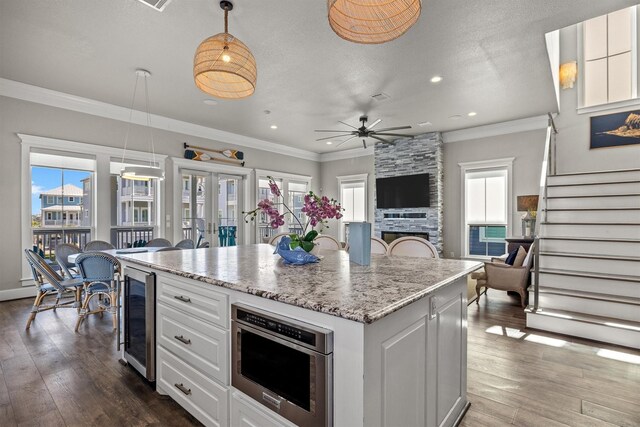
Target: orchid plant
[(317, 209)]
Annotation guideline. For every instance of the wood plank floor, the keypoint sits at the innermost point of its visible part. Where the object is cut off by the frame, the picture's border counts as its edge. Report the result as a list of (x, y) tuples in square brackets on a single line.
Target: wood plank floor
[(51, 376)]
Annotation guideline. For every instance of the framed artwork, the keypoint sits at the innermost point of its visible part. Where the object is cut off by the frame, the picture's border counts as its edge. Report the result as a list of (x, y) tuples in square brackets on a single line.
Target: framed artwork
[(613, 130)]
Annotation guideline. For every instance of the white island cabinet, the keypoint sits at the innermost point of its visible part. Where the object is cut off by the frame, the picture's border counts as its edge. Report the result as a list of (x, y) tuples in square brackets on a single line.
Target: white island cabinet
[(398, 327)]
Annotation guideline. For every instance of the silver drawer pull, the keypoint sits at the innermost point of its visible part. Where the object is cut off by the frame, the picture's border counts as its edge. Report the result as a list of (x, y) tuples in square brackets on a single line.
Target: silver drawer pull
[(183, 299), (183, 389), (183, 339), (271, 400)]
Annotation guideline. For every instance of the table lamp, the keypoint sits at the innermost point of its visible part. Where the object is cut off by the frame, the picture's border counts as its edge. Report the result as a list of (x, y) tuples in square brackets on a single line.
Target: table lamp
[(528, 204)]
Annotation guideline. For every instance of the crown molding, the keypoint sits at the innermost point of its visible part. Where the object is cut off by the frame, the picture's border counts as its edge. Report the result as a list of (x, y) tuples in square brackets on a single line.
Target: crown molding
[(52, 98), (504, 128)]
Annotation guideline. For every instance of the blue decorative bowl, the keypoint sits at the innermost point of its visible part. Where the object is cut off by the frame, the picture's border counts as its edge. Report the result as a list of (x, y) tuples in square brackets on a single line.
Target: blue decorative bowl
[(297, 256)]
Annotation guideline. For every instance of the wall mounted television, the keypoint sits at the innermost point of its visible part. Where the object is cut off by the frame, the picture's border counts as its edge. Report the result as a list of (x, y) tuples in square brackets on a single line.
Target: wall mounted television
[(408, 191)]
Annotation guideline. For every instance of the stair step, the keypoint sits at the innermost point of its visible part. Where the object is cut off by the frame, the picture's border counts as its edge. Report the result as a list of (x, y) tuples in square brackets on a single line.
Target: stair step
[(598, 328), (591, 263), (582, 215), (590, 245), (595, 202), (596, 230), (578, 184), (619, 307), (596, 176), (586, 275), (594, 189), (592, 256)]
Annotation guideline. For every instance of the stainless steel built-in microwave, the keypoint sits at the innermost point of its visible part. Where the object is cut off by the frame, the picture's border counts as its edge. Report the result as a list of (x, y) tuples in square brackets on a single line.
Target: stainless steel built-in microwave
[(284, 364)]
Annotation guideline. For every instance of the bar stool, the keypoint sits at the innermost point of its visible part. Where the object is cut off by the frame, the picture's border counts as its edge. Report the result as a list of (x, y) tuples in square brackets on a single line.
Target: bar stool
[(101, 275)]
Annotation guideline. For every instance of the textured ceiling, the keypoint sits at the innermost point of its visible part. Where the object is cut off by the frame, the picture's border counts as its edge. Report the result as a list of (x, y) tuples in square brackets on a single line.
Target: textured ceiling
[(491, 54)]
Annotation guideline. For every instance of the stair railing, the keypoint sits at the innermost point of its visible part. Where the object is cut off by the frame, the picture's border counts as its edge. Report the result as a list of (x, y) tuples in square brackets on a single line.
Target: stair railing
[(548, 168)]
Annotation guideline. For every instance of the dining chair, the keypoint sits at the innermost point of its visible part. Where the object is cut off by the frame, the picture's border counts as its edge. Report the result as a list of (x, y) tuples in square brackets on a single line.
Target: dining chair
[(379, 246), (63, 250), (327, 242), (204, 244), (158, 243), (186, 244), (48, 282), (411, 246), (101, 275), (169, 249), (98, 245)]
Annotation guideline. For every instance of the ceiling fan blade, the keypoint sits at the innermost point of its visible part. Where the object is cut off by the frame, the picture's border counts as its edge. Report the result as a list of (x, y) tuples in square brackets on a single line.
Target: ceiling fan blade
[(334, 136), (347, 124), (335, 131), (395, 128), (383, 140), (373, 124), (394, 134), (348, 139)]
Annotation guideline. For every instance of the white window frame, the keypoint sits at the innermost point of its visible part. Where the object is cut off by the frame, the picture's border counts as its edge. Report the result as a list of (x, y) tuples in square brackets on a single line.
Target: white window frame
[(350, 179), (101, 221), (50, 200), (286, 178), (484, 165), (71, 199), (634, 101)]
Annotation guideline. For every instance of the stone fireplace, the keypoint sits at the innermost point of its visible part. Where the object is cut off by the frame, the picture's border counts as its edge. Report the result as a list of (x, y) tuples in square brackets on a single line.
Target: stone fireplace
[(422, 154)]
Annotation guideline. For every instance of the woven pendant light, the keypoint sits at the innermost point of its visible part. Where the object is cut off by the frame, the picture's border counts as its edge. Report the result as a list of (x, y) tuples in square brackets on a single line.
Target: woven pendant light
[(372, 21), (223, 66)]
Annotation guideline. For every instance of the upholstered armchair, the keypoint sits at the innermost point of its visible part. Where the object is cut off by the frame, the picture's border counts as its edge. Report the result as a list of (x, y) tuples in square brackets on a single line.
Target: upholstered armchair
[(504, 277)]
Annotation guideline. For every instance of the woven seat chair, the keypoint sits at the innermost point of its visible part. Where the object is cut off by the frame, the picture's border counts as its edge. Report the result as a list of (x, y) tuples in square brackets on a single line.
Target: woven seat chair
[(48, 282), (101, 275), (327, 243), (98, 245), (158, 243), (379, 246), (63, 250), (413, 247), (275, 239), (186, 244)]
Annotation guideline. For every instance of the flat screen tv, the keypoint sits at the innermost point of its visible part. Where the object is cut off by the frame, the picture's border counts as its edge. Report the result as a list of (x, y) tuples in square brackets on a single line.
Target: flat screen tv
[(409, 191)]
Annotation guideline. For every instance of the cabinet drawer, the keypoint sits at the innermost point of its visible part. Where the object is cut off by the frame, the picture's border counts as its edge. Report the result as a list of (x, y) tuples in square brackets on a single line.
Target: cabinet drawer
[(197, 343), (245, 412), (205, 304), (203, 398)]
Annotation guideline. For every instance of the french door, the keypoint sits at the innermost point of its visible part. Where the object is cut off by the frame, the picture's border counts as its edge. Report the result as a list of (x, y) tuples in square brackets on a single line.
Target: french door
[(211, 205)]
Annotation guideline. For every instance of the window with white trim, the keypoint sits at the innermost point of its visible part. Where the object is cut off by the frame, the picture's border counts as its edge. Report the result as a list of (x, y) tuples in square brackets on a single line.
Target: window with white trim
[(609, 52), (353, 199)]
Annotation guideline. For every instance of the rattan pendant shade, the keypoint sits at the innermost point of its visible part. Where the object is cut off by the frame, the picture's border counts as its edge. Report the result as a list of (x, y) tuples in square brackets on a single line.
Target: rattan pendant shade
[(372, 21), (223, 66)]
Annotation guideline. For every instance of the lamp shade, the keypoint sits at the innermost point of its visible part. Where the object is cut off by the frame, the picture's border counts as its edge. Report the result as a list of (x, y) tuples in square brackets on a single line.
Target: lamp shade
[(528, 203), (372, 21), (224, 67), (568, 73), (142, 173)]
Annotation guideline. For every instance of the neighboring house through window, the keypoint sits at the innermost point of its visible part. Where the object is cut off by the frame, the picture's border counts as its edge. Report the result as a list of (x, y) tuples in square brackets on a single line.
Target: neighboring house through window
[(353, 199)]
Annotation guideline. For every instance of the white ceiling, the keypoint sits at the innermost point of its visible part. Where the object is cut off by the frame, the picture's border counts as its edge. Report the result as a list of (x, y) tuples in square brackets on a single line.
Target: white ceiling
[(491, 54)]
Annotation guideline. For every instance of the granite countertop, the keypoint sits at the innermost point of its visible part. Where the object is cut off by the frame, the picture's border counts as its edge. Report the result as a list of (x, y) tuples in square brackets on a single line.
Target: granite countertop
[(333, 286)]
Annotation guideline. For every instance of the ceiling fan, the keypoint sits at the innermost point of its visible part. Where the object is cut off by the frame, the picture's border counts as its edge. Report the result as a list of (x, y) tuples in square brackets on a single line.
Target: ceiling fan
[(365, 131)]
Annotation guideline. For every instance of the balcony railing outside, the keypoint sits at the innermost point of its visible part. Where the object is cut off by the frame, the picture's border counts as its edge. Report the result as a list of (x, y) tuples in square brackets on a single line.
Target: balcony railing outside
[(126, 237), (46, 239), (136, 191), (61, 222)]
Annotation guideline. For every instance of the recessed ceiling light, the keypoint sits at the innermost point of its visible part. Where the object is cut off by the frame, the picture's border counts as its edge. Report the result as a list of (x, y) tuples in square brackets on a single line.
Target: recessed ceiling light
[(274, 127), (329, 142), (425, 124), (471, 114), (455, 117), (267, 111), (436, 79), (210, 102)]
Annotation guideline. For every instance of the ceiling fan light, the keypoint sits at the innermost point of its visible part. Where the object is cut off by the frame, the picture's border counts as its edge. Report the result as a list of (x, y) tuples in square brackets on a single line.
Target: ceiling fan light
[(372, 21)]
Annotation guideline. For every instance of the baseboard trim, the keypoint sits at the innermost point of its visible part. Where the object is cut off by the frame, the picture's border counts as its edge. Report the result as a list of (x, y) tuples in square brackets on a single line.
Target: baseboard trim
[(17, 293)]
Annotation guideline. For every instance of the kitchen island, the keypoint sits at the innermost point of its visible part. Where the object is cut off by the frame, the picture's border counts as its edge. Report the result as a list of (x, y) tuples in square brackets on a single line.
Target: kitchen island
[(398, 328)]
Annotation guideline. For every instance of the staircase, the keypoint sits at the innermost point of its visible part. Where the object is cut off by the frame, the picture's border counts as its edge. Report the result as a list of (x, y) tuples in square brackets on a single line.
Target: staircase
[(589, 258)]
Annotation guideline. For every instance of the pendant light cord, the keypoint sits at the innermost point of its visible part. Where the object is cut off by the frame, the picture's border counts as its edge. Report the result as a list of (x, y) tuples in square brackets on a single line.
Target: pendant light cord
[(153, 148), (126, 137), (226, 21)]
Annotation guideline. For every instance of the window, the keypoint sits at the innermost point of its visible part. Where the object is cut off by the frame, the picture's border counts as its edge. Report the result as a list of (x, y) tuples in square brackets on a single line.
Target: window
[(297, 190), (486, 195), (50, 200), (353, 198), (71, 199), (609, 57)]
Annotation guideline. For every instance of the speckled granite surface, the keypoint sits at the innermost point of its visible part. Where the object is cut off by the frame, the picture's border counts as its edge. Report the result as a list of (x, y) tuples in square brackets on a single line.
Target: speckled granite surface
[(333, 286)]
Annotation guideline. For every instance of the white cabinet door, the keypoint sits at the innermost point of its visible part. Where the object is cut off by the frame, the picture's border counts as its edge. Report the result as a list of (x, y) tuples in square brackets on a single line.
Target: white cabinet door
[(245, 412)]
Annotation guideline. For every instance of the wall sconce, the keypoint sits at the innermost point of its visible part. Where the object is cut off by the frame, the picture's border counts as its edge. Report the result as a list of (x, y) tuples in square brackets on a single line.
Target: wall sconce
[(568, 73), (528, 204)]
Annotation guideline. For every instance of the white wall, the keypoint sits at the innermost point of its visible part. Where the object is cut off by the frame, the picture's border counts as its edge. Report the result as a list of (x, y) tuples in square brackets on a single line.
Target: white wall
[(573, 153), (329, 171), (35, 119), (526, 147)]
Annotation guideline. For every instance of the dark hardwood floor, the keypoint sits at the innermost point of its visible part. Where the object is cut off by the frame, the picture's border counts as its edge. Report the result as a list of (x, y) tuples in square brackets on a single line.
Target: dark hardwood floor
[(51, 376)]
